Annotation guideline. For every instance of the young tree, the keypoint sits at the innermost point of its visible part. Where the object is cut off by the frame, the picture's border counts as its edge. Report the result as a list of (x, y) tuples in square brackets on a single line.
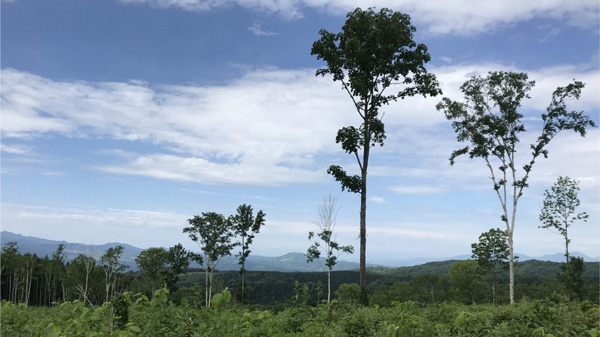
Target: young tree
[(374, 51), (492, 253), (572, 276), (153, 262), (558, 213), (178, 259), (213, 233), (246, 226), (112, 268), (79, 273), (468, 281), (490, 122), (326, 223)]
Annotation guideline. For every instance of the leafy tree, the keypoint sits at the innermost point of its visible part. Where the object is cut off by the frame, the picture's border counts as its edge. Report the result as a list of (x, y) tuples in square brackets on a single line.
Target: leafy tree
[(492, 254), (374, 51), (326, 223), (572, 276), (490, 122), (246, 226), (467, 279), (153, 262), (349, 292), (558, 213), (425, 287), (178, 259), (112, 268), (213, 233)]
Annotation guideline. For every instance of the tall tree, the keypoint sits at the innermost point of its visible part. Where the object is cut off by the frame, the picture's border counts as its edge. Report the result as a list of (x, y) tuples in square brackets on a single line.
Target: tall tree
[(558, 213), (492, 254), (112, 268), (213, 233), (326, 223), (246, 226), (490, 121), (374, 51)]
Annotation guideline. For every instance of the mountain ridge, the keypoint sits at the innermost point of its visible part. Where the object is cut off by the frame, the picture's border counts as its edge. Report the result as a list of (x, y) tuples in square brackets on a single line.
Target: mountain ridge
[(293, 261)]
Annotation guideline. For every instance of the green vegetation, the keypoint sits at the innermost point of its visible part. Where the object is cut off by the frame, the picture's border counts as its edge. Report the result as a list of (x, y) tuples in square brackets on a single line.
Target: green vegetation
[(158, 317)]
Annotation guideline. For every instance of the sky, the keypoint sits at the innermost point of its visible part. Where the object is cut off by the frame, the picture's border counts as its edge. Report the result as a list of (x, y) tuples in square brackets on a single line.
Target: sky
[(121, 119)]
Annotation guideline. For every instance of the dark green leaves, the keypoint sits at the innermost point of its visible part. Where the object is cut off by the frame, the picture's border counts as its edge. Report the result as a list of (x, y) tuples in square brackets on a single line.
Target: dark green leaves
[(373, 52), (351, 183), (350, 139)]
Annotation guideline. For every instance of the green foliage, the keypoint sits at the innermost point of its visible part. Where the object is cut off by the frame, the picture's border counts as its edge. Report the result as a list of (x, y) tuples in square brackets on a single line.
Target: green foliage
[(349, 293), (221, 299), (120, 310), (527, 318), (492, 253), (467, 279), (558, 213), (246, 226)]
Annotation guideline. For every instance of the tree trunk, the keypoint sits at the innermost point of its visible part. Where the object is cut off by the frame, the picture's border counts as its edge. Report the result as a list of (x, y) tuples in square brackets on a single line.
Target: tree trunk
[(243, 272), (329, 286), (511, 268), (363, 215), (206, 284)]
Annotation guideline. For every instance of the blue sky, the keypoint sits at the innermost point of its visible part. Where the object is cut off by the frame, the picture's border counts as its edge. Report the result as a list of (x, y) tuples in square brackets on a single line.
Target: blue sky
[(123, 118)]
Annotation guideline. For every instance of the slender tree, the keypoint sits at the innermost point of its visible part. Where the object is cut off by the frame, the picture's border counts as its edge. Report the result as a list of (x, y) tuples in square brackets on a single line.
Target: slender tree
[(374, 51), (245, 226), (112, 268), (490, 121), (558, 214), (492, 254), (332, 250), (213, 233)]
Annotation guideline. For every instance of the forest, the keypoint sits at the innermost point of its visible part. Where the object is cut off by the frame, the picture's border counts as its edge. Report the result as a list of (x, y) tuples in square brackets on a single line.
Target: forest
[(492, 294)]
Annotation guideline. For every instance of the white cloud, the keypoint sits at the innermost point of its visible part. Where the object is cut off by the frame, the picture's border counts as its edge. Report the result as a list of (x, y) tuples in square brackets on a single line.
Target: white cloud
[(270, 127), (377, 200), (170, 167), (461, 17), (95, 224), (418, 189), (15, 148), (257, 29)]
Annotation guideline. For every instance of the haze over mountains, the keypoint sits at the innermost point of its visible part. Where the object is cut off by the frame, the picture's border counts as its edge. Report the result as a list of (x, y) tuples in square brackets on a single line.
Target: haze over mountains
[(293, 261)]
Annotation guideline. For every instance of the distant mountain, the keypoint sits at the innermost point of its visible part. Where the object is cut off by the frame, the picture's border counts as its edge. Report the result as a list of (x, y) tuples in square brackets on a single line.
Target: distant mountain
[(287, 262), (44, 247)]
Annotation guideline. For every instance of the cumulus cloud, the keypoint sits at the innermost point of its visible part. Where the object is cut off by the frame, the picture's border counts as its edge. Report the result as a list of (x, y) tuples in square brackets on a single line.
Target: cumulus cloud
[(461, 17)]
